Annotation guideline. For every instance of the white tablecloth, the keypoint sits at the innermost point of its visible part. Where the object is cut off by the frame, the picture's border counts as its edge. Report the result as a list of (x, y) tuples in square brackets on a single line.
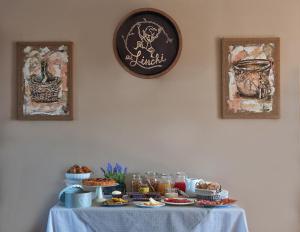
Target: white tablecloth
[(134, 219)]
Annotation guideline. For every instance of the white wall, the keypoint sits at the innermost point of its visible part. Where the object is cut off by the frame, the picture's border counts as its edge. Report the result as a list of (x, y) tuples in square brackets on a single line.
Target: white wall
[(166, 124)]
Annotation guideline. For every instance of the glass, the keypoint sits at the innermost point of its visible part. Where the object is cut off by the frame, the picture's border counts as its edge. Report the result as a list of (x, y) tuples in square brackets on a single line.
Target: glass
[(152, 181), (165, 183), (171, 193), (136, 182), (144, 188), (180, 181)]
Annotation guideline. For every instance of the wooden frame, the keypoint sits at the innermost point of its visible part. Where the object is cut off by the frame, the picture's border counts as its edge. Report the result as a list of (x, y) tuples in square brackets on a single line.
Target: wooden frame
[(229, 111), (116, 49), (68, 102)]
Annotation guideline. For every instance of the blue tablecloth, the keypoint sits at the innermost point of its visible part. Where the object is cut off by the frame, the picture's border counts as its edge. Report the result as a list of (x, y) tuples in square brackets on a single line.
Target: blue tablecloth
[(134, 219)]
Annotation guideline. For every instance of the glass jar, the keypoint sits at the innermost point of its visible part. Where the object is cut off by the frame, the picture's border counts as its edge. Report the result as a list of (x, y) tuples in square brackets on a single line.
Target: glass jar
[(171, 193), (136, 182), (152, 181), (180, 181), (165, 183), (144, 188)]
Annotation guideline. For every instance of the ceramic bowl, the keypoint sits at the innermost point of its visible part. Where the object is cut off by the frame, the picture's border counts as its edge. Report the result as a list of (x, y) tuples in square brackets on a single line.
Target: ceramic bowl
[(77, 176)]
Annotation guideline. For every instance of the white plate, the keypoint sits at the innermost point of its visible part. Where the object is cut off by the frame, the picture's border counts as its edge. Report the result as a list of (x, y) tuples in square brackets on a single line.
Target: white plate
[(94, 186), (186, 203), (141, 204)]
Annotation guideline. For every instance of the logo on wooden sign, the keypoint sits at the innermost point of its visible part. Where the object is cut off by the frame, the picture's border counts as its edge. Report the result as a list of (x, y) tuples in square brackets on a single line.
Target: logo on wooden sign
[(147, 43)]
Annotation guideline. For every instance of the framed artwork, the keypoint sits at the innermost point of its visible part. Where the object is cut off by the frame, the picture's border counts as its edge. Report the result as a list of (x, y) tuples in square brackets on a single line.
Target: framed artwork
[(147, 43), (251, 78), (44, 80)]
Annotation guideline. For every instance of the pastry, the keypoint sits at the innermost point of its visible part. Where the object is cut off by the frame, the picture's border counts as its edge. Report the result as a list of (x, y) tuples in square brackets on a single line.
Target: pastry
[(99, 182), (209, 186), (76, 169)]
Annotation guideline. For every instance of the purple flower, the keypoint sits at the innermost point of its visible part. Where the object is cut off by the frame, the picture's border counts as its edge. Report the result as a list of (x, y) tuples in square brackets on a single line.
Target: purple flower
[(109, 167)]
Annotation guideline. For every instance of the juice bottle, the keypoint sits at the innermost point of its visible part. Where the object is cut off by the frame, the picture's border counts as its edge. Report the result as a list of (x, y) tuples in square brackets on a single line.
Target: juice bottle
[(164, 184), (180, 181)]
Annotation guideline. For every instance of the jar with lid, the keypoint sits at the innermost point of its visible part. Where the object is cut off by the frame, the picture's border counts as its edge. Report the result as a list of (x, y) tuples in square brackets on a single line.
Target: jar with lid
[(180, 179), (165, 183), (136, 182), (152, 181)]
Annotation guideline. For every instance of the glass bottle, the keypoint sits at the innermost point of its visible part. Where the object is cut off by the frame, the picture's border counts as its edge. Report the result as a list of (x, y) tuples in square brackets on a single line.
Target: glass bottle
[(165, 183), (180, 181), (151, 180), (136, 182)]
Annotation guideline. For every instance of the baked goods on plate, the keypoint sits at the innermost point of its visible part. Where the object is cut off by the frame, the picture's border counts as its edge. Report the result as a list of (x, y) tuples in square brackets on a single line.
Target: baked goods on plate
[(115, 201), (208, 188), (99, 182), (222, 203), (208, 185), (76, 169), (150, 204), (77, 172)]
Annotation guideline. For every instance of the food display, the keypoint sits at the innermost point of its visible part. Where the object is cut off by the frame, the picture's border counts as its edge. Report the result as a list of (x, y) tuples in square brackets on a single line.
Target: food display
[(115, 201), (224, 202), (148, 190), (76, 169), (99, 182)]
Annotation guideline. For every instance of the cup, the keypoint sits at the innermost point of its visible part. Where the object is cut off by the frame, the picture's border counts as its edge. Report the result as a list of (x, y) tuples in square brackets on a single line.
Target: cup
[(191, 184)]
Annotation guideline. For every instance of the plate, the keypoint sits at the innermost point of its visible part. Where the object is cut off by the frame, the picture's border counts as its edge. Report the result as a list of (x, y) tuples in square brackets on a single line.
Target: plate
[(216, 204), (114, 202), (114, 205), (191, 202), (93, 186), (142, 205)]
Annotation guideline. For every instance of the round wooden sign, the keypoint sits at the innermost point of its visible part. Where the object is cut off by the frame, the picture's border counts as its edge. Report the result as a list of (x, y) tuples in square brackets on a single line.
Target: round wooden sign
[(147, 43)]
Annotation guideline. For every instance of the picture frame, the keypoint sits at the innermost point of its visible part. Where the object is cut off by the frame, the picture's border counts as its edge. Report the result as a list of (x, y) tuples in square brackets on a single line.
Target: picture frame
[(147, 43), (44, 80), (251, 78)]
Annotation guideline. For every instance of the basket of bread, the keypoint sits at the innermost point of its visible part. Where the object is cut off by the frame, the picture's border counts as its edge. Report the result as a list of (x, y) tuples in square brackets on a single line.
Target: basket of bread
[(210, 191)]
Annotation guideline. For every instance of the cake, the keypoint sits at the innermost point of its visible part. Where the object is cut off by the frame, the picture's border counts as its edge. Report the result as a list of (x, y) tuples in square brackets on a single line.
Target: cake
[(99, 182)]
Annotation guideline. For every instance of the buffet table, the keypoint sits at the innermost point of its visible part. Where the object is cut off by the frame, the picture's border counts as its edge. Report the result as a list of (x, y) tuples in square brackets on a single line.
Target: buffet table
[(134, 219)]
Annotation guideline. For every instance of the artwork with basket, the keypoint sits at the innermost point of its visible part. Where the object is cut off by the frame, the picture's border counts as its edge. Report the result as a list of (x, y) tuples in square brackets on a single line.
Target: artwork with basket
[(44, 80)]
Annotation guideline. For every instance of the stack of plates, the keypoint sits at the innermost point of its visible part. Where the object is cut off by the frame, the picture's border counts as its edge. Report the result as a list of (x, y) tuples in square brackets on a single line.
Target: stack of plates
[(211, 195)]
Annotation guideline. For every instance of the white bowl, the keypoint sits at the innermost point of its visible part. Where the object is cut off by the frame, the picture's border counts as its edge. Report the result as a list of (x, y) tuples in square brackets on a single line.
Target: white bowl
[(78, 176)]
